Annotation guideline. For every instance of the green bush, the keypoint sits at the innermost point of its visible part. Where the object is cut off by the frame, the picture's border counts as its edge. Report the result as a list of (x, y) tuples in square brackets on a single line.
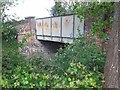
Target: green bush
[(85, 52), (39, 62), (77, 76), (22, 77)]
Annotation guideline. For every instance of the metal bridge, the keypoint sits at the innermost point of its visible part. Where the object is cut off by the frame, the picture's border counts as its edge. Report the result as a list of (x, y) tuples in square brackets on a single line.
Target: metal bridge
[(59, 29)]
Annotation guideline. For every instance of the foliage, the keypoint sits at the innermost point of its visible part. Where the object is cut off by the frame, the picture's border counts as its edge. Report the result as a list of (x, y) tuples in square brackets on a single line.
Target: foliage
[(16, 68), (20, 76), (84, 51), (74, 62), (101, 12), (58, 9), (40, 63), (79, 65), (5, 5), (62, 8), (77, 76), (11, 57)]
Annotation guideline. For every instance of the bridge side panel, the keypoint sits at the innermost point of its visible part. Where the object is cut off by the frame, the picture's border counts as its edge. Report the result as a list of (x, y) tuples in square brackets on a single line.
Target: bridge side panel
[(56, 29), (67, 29), (47, 28), (59, 29), (39, 27)]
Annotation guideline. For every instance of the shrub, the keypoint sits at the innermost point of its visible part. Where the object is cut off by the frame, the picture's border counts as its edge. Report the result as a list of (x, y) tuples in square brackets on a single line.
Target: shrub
[(85, 52), (77, 76)]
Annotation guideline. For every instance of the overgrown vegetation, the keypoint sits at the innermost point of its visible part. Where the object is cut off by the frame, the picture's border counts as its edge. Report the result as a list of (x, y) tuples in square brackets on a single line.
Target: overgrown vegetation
[(84, 51), (79, 65), (101, 14)]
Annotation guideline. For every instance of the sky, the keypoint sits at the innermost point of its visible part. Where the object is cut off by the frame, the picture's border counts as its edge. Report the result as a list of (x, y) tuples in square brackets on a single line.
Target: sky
[(37, 8)]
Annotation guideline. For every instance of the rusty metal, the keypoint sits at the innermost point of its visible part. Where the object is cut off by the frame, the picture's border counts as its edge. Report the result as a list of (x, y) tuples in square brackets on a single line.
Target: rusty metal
[(56, 26), (60, 29), (39, 26), (67, 26), (46, 26)]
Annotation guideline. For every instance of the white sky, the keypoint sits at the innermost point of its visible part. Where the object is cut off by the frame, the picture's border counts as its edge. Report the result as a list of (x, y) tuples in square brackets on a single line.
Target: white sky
[(37, 8)]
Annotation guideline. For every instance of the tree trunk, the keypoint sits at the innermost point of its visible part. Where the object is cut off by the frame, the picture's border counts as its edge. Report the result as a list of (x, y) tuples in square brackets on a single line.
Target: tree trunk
[(112, 65)]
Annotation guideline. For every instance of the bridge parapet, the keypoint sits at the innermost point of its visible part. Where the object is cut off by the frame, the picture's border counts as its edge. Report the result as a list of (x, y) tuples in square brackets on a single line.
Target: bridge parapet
[(59, 29)]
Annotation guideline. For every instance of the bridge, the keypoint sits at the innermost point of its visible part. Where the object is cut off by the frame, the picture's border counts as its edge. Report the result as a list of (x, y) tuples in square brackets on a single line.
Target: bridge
[(59, 29), (50, 33)]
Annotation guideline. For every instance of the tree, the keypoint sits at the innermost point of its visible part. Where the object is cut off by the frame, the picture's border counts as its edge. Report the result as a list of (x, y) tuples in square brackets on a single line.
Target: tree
[(111, 70), (62, 8), (58, 9), (6, 5)]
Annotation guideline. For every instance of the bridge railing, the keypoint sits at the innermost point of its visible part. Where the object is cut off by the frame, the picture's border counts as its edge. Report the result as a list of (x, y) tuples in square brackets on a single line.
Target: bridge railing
[(59, 29)]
